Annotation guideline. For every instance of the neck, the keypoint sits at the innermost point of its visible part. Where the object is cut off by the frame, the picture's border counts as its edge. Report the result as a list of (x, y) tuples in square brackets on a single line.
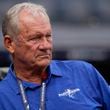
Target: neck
[(35, 76)]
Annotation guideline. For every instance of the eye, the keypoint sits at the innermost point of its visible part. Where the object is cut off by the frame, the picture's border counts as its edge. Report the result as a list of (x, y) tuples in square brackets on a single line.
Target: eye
[(48, 36), (35, 38)]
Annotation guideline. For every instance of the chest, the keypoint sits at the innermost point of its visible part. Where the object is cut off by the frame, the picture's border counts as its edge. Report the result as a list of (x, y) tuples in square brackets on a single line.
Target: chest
[(60, 94), (65, 96)]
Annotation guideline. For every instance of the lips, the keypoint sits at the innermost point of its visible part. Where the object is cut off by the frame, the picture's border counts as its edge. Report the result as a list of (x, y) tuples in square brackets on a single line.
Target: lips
[(44, 55)]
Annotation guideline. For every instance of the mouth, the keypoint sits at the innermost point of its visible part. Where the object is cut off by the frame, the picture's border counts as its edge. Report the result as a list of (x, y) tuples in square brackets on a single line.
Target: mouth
[(44, 56)]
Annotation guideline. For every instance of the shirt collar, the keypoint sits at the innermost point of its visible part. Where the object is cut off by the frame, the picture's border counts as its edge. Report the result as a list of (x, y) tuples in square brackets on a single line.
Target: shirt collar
[(52, 69)]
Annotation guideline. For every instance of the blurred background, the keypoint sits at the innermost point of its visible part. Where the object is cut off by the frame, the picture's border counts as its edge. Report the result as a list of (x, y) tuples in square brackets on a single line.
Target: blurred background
[(81, 30)]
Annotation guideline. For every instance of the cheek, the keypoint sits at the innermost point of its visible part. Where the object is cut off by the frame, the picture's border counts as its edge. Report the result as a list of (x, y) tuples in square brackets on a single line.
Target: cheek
[(34, 47), (29, 48)]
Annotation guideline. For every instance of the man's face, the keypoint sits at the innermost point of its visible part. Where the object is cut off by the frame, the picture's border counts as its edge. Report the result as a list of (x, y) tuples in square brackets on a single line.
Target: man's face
[(33, 46)]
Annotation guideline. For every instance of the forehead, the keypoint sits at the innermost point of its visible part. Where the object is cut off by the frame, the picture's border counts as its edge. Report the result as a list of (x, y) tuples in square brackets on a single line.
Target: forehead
[(36, 21)]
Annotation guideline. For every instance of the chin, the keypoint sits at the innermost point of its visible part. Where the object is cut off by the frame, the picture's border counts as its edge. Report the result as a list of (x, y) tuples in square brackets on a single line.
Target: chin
[(44, 63)]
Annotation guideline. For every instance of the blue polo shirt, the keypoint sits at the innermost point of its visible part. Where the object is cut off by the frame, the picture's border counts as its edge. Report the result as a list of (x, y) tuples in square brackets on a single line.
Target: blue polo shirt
[(71, 85)]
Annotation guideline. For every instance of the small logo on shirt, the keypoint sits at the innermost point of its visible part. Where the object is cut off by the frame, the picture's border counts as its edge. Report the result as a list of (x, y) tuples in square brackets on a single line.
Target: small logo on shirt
[(69, 92)]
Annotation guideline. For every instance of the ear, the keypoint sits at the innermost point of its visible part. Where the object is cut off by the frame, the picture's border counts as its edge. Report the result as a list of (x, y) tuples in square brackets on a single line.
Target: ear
[(9, 43)]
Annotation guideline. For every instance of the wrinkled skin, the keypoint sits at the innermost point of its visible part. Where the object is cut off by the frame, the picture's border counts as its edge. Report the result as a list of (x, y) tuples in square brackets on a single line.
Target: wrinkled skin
[(32, 48)]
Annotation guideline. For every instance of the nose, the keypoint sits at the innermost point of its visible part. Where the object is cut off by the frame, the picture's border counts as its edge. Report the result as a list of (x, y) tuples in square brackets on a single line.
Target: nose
[(45, 43)]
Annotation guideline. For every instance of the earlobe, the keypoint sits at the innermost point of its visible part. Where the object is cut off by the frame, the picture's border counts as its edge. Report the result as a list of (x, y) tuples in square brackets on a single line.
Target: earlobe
[(8, 43)]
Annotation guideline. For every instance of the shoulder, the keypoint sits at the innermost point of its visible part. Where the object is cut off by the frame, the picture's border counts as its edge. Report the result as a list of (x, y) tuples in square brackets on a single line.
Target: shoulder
[(78, 67), (71, 63), (3, 85), (3, 90)]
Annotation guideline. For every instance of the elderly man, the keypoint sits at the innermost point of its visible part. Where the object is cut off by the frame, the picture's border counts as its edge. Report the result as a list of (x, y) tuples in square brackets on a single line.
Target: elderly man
[(35, 81)]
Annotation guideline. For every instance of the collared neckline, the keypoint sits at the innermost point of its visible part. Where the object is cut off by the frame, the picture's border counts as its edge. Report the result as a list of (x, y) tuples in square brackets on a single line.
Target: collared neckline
[(52, 69)]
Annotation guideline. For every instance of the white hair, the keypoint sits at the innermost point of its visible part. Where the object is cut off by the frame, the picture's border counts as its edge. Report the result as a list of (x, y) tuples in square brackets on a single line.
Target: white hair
[(10, 23)]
